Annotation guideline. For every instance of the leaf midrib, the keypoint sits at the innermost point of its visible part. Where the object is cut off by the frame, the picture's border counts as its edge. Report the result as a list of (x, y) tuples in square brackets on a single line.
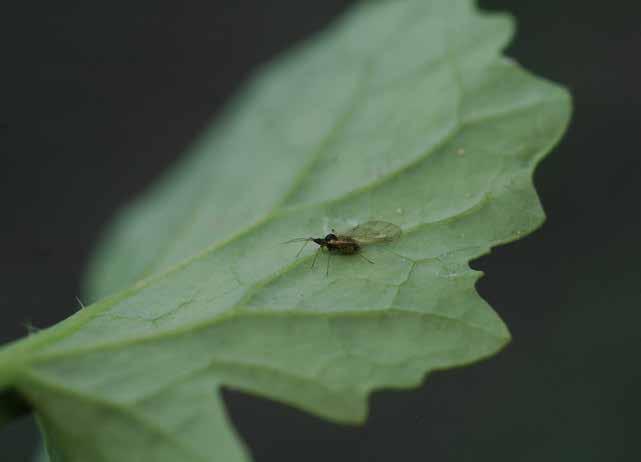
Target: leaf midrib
[(254, 312)]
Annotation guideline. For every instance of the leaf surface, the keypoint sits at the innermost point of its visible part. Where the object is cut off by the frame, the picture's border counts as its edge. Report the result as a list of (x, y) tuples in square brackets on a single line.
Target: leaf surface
[(401, 111)]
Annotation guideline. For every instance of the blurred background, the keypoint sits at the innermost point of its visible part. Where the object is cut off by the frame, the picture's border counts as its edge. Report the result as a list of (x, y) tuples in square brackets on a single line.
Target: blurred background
[(99, 98)]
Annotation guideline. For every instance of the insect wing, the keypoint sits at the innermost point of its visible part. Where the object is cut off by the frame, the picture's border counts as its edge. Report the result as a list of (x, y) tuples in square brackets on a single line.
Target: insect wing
[(375, 231)]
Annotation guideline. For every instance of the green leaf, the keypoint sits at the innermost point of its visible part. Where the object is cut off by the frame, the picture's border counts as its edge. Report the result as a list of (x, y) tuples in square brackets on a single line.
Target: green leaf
[(401, 111)]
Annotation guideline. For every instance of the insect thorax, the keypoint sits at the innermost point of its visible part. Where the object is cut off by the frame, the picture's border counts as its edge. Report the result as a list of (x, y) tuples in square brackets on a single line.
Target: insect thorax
[(344, 246)]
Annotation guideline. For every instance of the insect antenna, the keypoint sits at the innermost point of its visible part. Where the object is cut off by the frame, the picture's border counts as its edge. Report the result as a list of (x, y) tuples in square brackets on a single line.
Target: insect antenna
[(299, 239), (302, 247)]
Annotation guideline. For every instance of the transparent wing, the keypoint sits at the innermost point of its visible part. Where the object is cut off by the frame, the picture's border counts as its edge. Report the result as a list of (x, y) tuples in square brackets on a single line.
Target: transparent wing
[(375, 231)]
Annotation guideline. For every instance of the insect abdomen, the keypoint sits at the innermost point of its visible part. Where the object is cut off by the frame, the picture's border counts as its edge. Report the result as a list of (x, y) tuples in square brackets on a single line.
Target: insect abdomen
[(349, 249)]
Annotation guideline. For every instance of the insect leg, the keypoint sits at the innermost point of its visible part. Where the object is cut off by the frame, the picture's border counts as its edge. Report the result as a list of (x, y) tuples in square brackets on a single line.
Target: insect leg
[(315, 256), (301, 249), (365, 258), (328, 258)]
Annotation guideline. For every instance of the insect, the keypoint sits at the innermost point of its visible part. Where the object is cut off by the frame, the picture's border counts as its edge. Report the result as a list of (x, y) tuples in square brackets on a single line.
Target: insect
[(350, 242)]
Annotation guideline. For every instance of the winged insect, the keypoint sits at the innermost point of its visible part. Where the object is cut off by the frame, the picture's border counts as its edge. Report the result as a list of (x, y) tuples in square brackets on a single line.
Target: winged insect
[(351, 242)]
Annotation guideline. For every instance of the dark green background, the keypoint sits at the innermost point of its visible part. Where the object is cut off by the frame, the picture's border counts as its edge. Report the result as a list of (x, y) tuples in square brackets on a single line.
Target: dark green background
[(98, 98)]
